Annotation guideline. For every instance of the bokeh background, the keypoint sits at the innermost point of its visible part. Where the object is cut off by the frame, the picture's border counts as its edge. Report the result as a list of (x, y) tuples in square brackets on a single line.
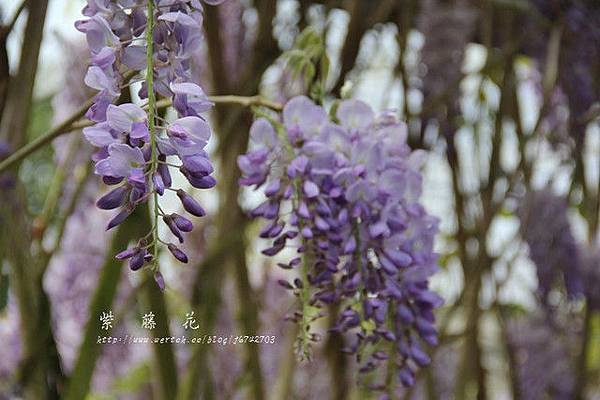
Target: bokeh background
[(502, 94)]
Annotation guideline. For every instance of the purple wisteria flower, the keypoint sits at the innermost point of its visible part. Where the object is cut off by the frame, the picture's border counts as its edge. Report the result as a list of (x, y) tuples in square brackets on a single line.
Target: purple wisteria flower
[(552, 248), (347, 192), (545, 350), (132, 150)]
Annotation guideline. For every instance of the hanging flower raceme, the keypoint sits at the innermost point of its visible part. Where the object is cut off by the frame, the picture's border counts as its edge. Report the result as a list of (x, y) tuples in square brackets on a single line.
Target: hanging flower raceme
[(552, 247), (347, 194), (126, 37)]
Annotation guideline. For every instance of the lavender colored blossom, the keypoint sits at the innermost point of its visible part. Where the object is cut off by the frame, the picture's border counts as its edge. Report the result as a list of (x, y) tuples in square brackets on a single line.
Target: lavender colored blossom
[(448, 28), (366, 242), (579, 56), (546, 229), (12, 345), (127, 155), (545, 353)]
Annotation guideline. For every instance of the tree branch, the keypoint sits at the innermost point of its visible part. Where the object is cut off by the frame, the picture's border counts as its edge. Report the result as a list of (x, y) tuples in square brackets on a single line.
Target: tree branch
[(74, 122), (20, 91), (7, 29)]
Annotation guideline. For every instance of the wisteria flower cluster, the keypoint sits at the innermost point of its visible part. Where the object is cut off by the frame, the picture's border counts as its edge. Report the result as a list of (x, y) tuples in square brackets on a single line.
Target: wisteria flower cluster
[(347, 194), (546, 229), (159, 37), (545, 349)]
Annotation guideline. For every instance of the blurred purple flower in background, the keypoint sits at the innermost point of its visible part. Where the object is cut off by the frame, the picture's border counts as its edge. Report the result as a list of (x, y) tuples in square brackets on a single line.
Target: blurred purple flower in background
[(552, 248), (544, 354), (448, 29), (11, 340)]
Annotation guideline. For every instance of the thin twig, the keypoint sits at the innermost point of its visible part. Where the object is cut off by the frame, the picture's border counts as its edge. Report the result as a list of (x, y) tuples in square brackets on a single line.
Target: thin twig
[(74, 122), (7, 29), (65, 127), (56, 187), (81, 175)]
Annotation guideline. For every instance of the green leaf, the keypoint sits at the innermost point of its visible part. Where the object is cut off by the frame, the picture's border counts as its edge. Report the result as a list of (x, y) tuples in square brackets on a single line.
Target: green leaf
[(593, 356), (325, 65)]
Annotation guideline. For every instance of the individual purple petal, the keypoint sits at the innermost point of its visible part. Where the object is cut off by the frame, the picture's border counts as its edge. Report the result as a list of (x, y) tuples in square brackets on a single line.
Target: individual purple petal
[(119, 218), (407, 377), (205, 182), (105, 58), (99, 79), (302, 113), (180, 18), (306, 233), (165, 175), (99, 135), (190, 205), (136, 178), (198, 165), (160, 281), (122, 117), (134, 57), (125, 254), (159, 185), (113, 199), (263, 134), (189, 98), (311, 190), (137, 260), (194, 128), (173, 227), (350, 245), (97, 112), (182, 223), (177, 253), (419, 356), (273, 187), (355, 114), (98, 32), (123, 159), (139, 131)]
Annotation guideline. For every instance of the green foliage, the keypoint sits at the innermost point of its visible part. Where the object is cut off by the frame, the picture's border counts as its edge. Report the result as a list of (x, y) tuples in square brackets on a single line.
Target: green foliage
[(593, 356), (309, 60)]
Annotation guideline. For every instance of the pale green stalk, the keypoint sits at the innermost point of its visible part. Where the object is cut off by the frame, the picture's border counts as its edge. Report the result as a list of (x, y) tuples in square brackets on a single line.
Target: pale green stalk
[(151, 122)]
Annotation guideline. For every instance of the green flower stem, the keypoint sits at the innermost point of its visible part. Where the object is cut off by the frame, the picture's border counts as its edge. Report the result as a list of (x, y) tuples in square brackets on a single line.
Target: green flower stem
[(151, 124), (304, 291), (56, 187)]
